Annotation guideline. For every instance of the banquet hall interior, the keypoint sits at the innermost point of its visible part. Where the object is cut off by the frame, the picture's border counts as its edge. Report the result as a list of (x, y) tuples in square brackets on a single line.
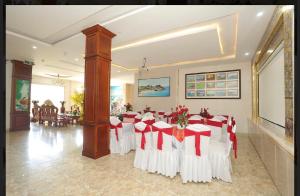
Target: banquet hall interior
[(150, 100)]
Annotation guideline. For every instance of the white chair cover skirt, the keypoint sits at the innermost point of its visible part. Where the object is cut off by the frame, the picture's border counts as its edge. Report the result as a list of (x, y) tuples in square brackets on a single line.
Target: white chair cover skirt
[(164, 161), (141, 159), (192, 167)]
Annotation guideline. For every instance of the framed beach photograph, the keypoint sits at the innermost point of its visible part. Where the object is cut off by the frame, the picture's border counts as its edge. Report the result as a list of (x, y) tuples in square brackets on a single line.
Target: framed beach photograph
[(213, 85), (154, 87)]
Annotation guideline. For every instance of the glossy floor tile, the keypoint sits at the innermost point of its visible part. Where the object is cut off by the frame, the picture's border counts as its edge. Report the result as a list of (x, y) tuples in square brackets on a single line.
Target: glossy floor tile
[(48, 161)]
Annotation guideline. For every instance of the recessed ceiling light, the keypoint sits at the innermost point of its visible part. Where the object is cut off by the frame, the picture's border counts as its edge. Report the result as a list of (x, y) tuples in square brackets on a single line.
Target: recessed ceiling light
[(270, 51), (76, 59), (259, 14), (247, 53), (287, 7), (118, 71), (34, 47)]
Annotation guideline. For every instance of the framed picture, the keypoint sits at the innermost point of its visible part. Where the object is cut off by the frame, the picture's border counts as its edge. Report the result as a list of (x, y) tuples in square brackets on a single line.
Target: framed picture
[(22, 95), (213, 85), (156, 87)]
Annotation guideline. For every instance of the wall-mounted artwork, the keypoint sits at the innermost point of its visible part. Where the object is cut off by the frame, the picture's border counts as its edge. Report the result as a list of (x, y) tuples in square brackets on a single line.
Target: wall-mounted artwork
[(22, 95), (213, 85), (156, 87)]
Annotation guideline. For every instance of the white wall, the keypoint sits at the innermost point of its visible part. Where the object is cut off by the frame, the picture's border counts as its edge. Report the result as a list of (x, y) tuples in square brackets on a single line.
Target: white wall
[(239, 108), (156, 103), (8, 81)]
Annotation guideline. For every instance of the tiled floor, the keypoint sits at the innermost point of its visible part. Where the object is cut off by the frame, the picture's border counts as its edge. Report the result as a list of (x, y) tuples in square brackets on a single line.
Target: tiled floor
[(48, 161)]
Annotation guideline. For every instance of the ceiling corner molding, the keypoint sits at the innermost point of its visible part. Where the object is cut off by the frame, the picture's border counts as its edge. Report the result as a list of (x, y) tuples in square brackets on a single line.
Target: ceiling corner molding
[(27, 38)]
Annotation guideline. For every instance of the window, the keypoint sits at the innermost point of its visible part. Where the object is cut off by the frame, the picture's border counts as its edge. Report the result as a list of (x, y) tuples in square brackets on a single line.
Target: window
[(42, 92)]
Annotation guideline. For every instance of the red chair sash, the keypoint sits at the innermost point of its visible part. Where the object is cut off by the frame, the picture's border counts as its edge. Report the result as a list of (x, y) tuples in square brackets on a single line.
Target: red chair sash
[(212, 123), (161, 113), (168, 117), (136, 120), (195, 121), (149, 122), (233, 138), (167, 131), (116, 129), (188, 132), (143, 140), (129, 115)]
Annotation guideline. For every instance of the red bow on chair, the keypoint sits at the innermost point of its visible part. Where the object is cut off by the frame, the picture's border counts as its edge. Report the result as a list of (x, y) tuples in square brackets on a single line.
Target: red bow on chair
[(136, 120), (161, 113), (143, 140), (195, 122), (188, 132), (233, 138), (168, 131), (149, 122), (116, 129)]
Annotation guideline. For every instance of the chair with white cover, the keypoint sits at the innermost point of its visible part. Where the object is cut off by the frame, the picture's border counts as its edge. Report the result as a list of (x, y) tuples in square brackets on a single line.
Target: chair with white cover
[(219, 156), (167, 117), (138, 118), (164, 157), (215, 125), (128, 117), (143, 145), (148, 118), (120, 137), (195, 119), (195, 165), (160, 115)]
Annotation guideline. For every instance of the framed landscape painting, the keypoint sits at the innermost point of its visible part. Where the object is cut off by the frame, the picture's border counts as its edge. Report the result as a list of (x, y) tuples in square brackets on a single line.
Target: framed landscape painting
[(213, 85), (156, 87)]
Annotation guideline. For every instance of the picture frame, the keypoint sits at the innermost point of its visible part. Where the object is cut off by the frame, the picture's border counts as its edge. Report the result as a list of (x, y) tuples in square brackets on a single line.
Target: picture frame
[(154, 87), (213, 85)]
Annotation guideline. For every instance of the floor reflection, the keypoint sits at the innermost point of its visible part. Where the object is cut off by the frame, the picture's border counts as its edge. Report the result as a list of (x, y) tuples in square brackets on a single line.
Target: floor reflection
[(49, 142)]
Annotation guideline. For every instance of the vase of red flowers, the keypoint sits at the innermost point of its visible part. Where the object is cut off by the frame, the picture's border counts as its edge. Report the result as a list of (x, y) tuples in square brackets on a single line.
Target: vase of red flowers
[(182, 116)]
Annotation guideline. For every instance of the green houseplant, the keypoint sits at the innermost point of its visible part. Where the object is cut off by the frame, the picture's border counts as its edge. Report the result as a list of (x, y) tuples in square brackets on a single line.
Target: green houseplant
[(77, 98)]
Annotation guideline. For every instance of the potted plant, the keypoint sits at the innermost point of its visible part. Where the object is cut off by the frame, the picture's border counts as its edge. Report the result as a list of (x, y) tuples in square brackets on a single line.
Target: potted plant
[(78, 98), (128, 107)]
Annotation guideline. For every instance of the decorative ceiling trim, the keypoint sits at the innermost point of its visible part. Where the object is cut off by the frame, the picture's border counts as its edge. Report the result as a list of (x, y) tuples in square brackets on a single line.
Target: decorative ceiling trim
[(122, 16), (195, 29), (217, 58)]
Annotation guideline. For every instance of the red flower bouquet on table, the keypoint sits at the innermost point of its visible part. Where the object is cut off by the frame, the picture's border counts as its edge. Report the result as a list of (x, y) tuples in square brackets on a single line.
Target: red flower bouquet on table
[(181, 116)]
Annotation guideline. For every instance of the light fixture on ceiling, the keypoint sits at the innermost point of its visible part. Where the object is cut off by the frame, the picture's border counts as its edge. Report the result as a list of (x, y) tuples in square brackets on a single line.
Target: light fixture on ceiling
[(287, 7), (246, 53), (270, 51), (58, 81), (34, 47), (259, 14), (76, 59), (143, 67), (118, 71)]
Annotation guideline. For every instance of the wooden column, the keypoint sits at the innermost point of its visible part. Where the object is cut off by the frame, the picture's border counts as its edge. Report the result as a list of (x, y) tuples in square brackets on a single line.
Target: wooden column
[(97, 92), (20, 96)]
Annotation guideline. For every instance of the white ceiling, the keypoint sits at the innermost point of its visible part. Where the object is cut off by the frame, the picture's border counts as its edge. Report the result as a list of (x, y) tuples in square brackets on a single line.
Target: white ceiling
[(56, 31)]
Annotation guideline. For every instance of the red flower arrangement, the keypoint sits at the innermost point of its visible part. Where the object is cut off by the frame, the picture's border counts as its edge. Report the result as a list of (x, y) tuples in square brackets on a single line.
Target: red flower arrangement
[(181, 115)]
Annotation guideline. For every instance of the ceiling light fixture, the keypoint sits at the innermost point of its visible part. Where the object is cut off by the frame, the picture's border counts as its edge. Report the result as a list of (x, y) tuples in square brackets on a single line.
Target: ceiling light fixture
[(287, 7), (76, 59), (118, 71), (34, 47), (247, 53), (270, 51), (169, 35), (259, 14)]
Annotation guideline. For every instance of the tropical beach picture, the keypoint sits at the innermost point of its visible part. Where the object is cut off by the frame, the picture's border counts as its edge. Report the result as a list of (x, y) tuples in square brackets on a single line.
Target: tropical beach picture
[(154, 87)]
